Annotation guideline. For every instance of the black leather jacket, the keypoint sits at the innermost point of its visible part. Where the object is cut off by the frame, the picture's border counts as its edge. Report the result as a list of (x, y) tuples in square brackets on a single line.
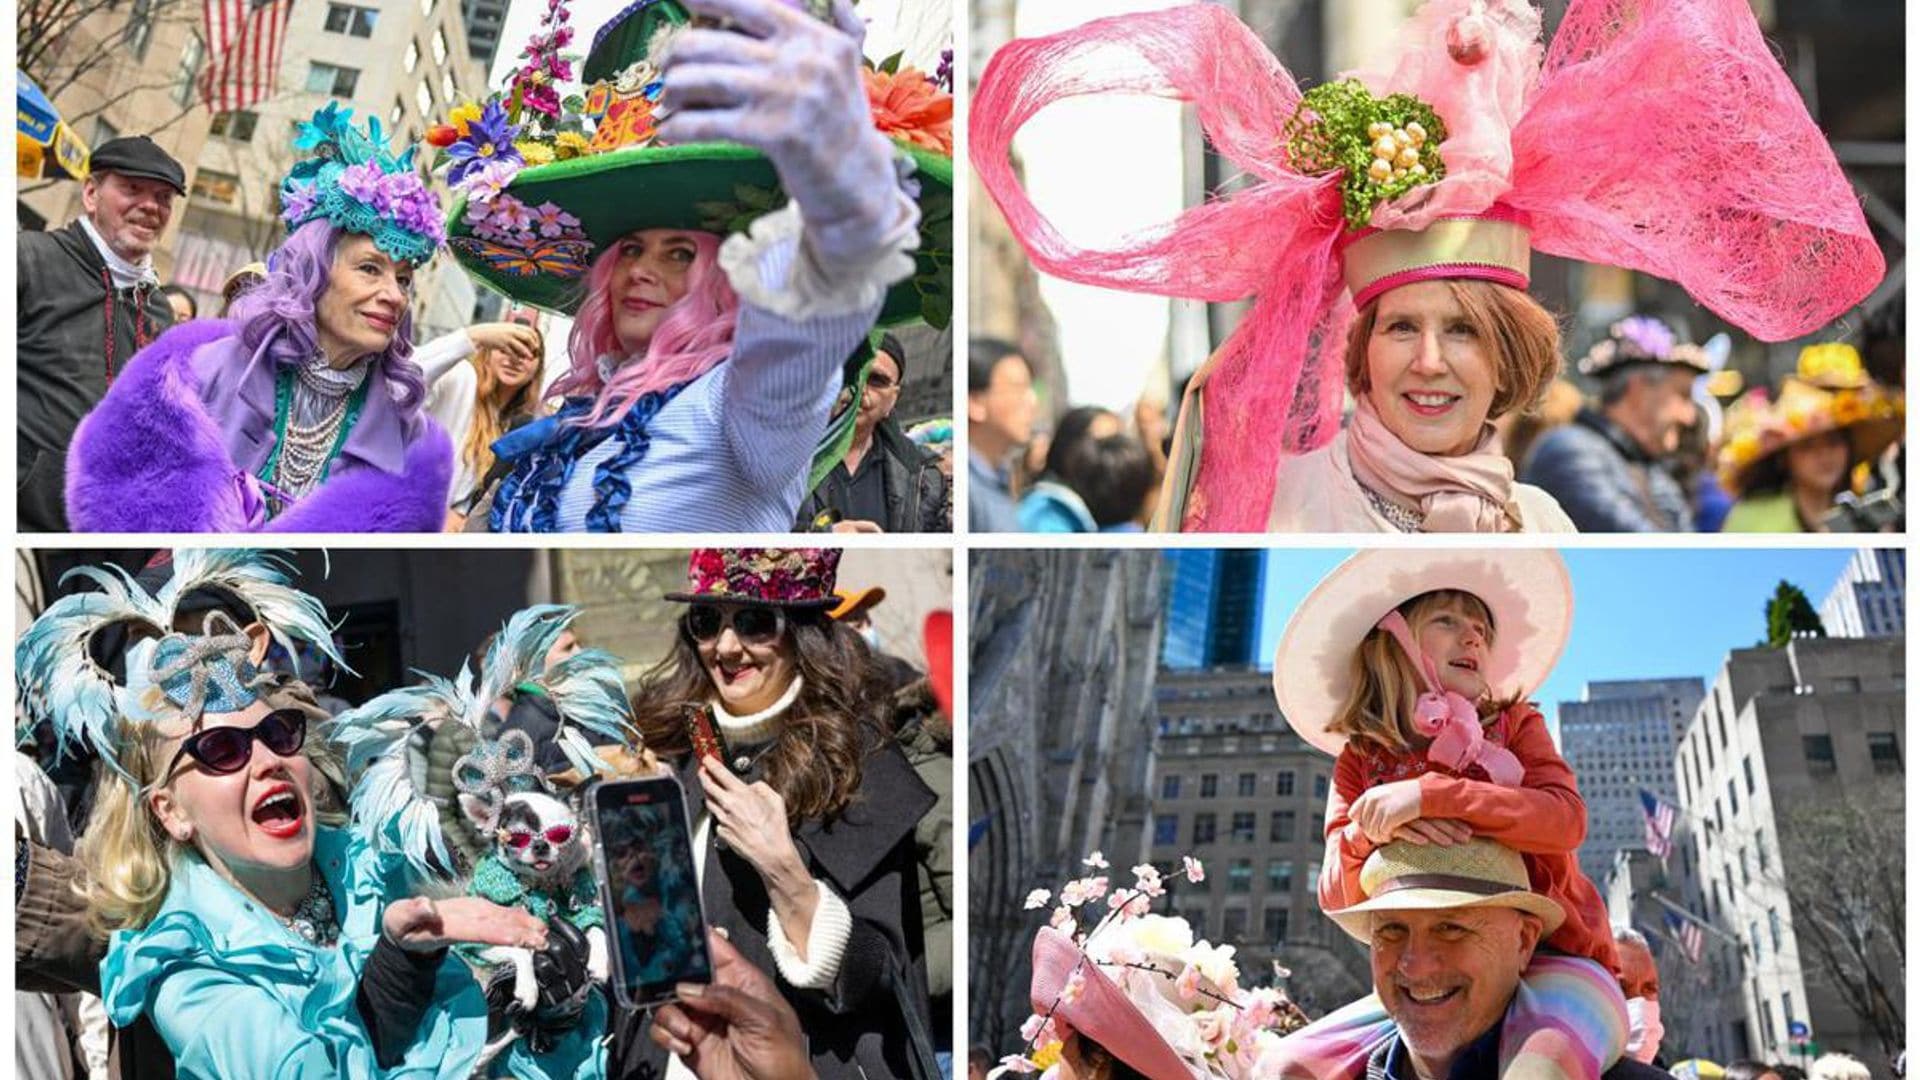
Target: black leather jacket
[(917, 494)]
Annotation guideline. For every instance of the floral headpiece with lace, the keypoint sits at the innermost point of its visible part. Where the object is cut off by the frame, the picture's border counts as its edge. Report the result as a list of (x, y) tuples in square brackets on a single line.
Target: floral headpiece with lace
[(352, 181)]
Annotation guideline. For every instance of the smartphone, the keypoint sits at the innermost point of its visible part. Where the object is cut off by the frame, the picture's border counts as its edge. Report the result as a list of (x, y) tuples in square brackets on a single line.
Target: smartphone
[(643, 856)]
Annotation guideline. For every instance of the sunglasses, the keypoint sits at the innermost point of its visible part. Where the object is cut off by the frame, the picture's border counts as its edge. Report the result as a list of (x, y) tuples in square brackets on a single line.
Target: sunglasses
[(752, 625), (520, 838), (224, 750)]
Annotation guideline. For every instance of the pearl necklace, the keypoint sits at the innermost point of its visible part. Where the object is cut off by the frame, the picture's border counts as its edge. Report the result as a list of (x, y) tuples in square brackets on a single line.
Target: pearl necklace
[(321, 392)]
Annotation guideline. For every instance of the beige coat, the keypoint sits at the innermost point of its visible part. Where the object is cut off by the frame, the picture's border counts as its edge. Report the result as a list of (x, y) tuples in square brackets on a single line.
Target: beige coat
[(1317, 493)]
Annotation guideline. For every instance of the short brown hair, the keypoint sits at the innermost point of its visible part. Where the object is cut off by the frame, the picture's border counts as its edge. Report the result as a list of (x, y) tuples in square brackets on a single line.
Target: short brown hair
[(1524, 337)]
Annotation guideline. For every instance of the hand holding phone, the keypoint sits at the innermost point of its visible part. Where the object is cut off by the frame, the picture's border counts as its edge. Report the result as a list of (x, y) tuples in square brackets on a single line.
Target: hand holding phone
[(643, 857)]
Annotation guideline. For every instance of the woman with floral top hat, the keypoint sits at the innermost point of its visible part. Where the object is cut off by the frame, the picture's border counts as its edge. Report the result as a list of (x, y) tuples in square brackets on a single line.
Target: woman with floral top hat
[(301, 412), (1791, 458), (256, 936), (1386, 235), (803, 809), (734, 227)]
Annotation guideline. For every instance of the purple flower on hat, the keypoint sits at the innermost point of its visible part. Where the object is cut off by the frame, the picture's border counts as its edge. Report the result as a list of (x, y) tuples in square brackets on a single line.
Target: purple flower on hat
[(485, 183), (1652, 337), (511, 213), (554, 222), (297, 202), (361, 182), (489, 139)]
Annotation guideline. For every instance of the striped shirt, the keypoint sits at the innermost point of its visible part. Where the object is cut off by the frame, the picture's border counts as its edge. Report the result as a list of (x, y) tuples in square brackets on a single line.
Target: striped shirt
[(731, 452)]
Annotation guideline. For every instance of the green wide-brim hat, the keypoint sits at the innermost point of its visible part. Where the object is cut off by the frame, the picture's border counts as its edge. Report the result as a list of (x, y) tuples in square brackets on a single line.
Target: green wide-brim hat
[(712, 187)]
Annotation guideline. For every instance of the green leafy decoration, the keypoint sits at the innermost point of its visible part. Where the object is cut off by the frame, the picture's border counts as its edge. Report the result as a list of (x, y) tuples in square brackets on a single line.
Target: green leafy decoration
[(1328, 133)]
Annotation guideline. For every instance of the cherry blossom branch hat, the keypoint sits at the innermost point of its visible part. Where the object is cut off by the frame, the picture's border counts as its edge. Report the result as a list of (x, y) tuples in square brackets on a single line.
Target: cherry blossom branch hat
[(542, 192), (1660, 137), (1526, 590)]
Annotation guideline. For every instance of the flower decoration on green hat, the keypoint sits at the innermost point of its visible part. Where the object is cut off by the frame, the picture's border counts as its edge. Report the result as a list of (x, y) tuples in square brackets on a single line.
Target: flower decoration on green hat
[(353, 181), (1385, 146)]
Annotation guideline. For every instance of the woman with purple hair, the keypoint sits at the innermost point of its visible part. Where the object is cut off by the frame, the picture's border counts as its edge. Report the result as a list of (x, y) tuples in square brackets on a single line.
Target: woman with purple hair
[(301, 412), (703, 366)]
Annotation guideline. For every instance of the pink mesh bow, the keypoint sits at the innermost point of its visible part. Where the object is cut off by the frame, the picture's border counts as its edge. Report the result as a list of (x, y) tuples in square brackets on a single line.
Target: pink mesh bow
[(1450, 720), (1662, 137)]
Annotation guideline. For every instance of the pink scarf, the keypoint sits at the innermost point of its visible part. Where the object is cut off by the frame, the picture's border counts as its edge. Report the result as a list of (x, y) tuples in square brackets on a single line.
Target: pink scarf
[(1472, 492)]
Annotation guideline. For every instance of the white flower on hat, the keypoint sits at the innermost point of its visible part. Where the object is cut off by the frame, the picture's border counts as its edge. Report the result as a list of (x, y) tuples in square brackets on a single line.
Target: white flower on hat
[(1215, 964)]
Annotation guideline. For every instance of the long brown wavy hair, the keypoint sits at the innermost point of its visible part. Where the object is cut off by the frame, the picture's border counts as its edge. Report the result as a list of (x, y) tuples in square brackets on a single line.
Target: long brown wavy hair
[(836, 721), (495, 406)]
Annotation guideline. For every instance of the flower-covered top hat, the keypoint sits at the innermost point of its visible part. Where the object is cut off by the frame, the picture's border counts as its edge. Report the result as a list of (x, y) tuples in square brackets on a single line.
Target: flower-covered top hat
[(547, 182), (1829, 392), (1526, 590), (1642, 339), (771, 577), (354, 182), (1659, 137), (169, 676)]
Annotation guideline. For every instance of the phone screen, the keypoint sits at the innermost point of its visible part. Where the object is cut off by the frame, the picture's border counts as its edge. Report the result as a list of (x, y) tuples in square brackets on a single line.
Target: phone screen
[(644, 856)]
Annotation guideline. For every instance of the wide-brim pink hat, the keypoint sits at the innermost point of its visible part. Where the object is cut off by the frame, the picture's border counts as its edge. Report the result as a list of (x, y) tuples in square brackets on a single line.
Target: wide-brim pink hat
[(1527, 591), (1101, 1011)]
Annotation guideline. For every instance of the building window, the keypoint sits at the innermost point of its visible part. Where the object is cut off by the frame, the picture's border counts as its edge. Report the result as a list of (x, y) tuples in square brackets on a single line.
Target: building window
[(1245, 785), (191, 58), (1884, 748), (1746, 766), (412, 59), (1233, 924), (353, 21), (1846, 684), (1280, 876), (449, 93), (1203, 827), (1274, 925), (217, 186), (1760, 849), (1819, 752), (1759, 949), (237, 125), (1733, 798), (1209, 785), (1283, 783), (399, 113), (139, 32), (1280, 829), (439, 46), (1320, 786), (328, 79), (1170, 787), (1243, 827), (1166, 828), (423, 97), (1240, 875), (426, 7), (1773, 924)]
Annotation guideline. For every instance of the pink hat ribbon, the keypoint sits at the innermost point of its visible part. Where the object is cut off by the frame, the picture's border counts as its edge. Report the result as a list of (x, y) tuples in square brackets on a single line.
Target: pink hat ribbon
[(1450, 720)]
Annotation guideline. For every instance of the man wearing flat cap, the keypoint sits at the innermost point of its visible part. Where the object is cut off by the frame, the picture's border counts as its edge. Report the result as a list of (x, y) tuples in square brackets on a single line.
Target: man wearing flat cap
[(89, 300), (1451, 928)]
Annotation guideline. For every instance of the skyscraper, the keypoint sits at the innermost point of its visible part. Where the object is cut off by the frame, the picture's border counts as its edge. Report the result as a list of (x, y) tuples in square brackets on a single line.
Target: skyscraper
[(1213, 608), (1869, 600), (1618, 739)]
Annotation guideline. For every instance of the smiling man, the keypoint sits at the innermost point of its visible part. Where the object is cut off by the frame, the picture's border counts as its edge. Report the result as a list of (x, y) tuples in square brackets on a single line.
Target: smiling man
[(69, 350), (1450, 930)]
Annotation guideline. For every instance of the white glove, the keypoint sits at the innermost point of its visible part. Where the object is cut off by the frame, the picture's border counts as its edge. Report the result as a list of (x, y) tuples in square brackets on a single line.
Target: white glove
[(789, 86)]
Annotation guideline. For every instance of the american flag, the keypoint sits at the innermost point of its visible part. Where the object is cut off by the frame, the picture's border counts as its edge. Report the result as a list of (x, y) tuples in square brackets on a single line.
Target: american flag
[(1686, 933), (1659, 814), (243, 51)]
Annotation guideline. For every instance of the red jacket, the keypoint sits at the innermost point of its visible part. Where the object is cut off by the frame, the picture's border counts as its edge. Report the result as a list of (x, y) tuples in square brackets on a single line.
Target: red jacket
[(1544, 819)]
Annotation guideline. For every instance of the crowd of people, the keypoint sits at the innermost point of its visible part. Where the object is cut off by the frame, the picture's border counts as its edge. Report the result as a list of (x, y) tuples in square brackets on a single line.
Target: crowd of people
[(252, 886), (719, 372)]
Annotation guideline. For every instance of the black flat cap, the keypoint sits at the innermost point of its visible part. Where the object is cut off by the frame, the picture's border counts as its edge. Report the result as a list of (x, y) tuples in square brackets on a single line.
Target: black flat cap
[(137, 155)]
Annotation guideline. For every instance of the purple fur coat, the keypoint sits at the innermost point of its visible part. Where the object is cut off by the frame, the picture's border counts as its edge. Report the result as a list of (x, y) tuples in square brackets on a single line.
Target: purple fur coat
[(185, 428)]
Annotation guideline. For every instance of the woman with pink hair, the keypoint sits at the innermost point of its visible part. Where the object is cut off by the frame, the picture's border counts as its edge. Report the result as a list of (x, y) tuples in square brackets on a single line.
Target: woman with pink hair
[(703, 366)]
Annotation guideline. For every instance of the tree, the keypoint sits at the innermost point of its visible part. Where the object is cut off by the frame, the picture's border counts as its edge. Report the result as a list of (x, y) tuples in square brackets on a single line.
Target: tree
[(1790, 615), (1846, 881)]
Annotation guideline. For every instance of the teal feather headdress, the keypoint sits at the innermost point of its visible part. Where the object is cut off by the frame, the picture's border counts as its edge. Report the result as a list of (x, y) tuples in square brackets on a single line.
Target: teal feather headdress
[(390, 807), (354, 182), (61, 683)]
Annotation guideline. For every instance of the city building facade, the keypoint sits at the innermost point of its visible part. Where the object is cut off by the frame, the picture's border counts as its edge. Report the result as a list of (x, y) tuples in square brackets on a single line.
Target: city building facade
[(1618, 739), (1870, 599), (1213, 608), (1783, 736)]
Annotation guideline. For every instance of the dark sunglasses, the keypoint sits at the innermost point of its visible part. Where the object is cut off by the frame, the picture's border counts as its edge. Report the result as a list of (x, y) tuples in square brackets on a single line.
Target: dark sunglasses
[(223, 750), (752, 625)]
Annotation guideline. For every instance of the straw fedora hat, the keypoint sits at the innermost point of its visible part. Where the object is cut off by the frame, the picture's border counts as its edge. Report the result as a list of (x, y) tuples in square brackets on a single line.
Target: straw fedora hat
[(1429, 877)]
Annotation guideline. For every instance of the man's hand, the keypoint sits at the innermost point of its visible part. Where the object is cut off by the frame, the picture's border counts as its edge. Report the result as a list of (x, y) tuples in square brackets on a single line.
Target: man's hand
[(736, 1028)]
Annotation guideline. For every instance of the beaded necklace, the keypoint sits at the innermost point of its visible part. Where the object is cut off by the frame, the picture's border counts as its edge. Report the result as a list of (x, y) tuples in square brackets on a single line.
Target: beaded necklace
[(314, 919), (303, 454)]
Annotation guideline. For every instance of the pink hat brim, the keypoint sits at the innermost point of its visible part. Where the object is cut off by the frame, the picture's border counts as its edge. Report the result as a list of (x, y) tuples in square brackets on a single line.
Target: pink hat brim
[(1102, 1011)]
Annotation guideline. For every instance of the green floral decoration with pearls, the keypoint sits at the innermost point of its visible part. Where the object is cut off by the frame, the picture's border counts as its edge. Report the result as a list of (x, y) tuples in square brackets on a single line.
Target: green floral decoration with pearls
[(1386, 147)]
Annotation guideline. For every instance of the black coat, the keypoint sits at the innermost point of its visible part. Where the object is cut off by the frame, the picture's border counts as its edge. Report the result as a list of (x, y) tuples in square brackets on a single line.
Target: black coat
[(67, 357), (855, 1028), (917, 495)]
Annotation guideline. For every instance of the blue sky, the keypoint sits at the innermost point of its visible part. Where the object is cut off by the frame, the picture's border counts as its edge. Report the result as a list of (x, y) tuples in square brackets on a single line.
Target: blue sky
[(1639, 613)]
